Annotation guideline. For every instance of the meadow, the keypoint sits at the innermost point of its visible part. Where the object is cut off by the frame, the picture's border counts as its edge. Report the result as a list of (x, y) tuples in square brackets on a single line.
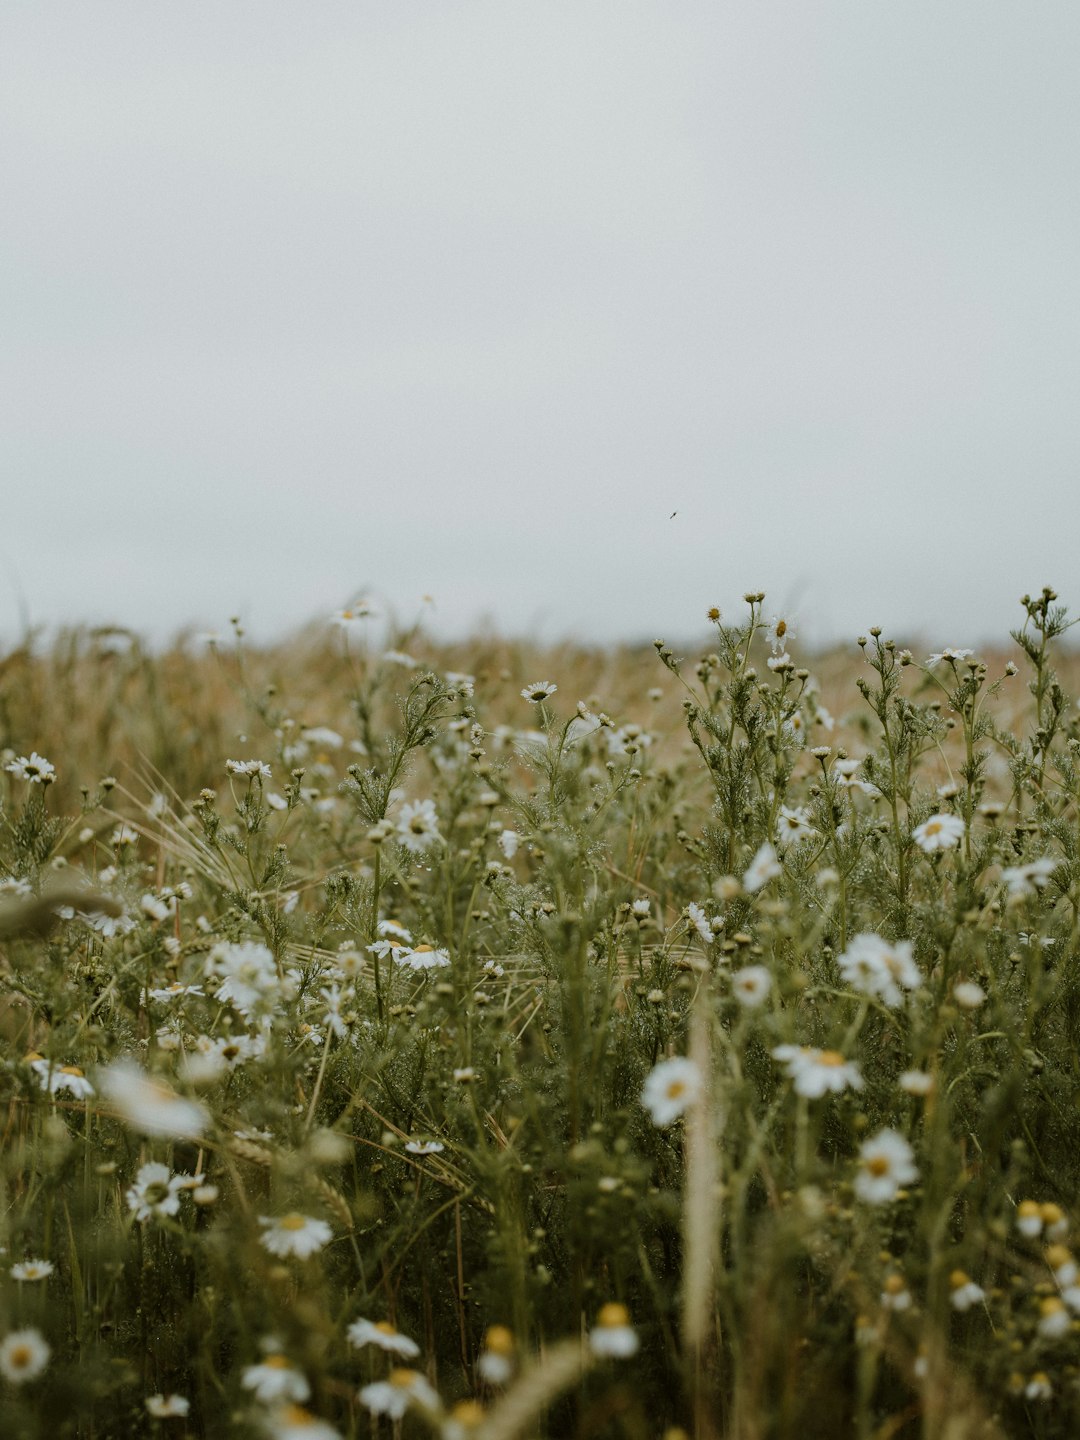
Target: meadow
[(488, 1041)]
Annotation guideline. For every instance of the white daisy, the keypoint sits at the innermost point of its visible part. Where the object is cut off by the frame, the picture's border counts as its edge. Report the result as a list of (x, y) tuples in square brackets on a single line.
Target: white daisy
[(417, 826), (1062, 1266), (353, 615), (294, 1234), (57, 1078), (24, 1354), (425, 1147), (940, 832), (293, 1422), (383, 1335), (779, 631), (671, 1087), (818, 1072), (176, 991), (845, 773), (107, 925), (394, 1396), (895, 1295), (793, 826), (155, 1192), (1023, 881), (886, 1164), (509, 841), (154, 907), (1054, 1318), (763, 868), (323, 738), (1055, 1220), (254, 769), (395, 930), (696, 915), (539, 691), (275, 1379), (1029, 1219), (613, 1337), (149, 1106), (968, 995), (964, 1293), (167, 1407), (496, 1362), (751, 985), (423, 957), (950, 655), (32, 1270), (36, 770), (334, 998), (214, 1055)]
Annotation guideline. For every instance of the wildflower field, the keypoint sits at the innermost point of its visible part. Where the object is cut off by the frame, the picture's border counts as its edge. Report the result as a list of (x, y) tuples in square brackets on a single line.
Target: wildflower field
[(484, 1042)]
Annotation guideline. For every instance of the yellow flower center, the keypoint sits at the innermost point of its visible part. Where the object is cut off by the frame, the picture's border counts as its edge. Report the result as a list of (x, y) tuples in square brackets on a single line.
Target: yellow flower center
[(276, 1362), (385, 1328), (292, 1222), (675, 1089), (402, 1379), (612, 1314), (933, 826), (832, 1058), (70, 1070), (468, 1412), (499, 1340), (878, 1166), (20, 1357)]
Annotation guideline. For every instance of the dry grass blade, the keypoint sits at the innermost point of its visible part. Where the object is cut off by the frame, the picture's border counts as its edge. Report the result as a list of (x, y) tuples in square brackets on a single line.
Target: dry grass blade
[(559, 1368), (701, 1226), (36, 914)]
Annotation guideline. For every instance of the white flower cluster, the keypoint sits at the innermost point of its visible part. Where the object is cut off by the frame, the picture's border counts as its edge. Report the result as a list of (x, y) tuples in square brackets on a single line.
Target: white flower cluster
[(879, 968), (249, 977)]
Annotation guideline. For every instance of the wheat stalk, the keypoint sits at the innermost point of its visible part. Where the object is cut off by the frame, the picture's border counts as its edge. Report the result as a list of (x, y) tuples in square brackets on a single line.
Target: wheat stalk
[(559, 1368)]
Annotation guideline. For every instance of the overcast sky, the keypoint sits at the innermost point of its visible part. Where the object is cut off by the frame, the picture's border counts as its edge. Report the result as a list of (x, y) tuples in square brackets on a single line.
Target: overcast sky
[(304, 299)]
